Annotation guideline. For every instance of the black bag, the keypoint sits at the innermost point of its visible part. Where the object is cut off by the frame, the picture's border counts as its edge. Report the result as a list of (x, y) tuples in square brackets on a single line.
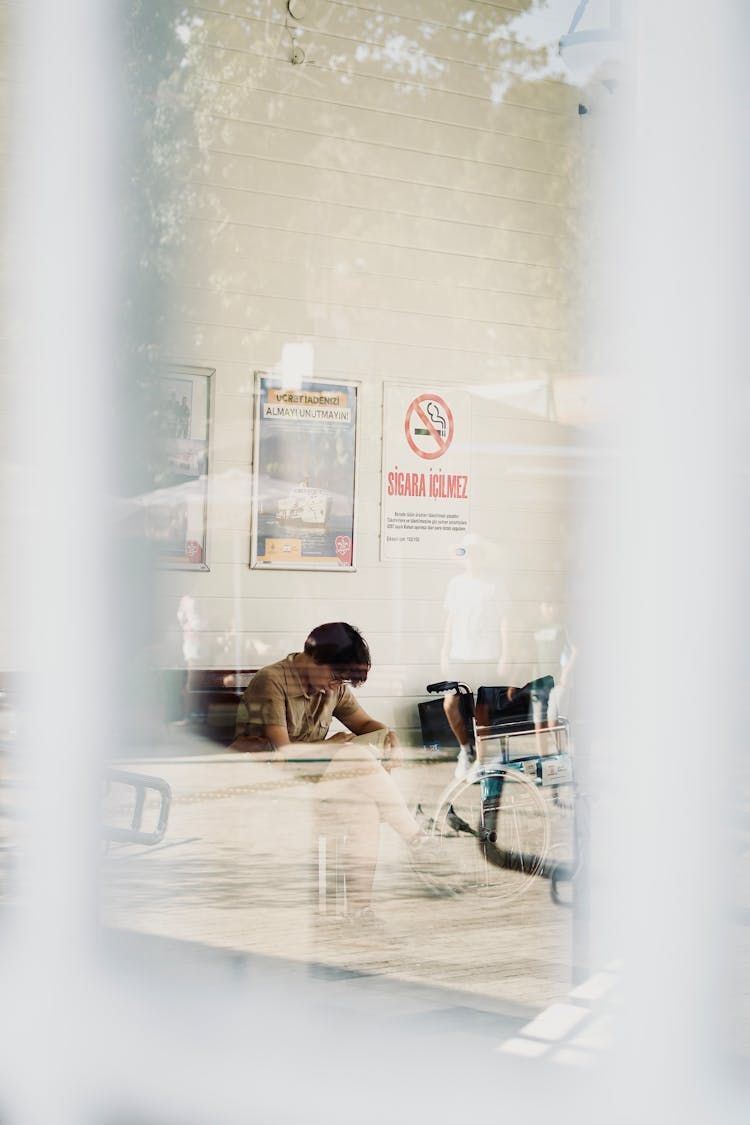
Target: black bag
[(494, 707), (436, 731)]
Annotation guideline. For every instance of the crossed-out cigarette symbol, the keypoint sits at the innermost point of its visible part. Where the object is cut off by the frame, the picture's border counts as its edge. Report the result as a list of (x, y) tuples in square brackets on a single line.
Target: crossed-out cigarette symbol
[(429, 417)]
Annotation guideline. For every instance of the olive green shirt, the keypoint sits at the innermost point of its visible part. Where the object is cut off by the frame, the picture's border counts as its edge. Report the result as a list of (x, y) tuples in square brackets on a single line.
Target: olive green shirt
[(277, 696)]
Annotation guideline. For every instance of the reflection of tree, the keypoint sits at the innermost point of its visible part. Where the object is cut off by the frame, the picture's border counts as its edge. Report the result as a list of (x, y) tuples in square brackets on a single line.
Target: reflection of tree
[(320, 457), (166, 124), (168, 120), (442, 125)]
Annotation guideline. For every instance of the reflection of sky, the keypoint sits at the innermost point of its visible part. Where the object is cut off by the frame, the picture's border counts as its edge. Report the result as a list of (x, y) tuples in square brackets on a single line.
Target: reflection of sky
[(526, 44), (540, 29), (542, 24)]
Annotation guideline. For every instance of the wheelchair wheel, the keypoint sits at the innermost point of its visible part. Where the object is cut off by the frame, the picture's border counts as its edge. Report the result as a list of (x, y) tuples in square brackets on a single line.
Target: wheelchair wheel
[(492, 834)]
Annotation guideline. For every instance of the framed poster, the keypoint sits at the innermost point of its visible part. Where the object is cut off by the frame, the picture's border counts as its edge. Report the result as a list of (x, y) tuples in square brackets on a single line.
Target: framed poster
[(176, 511), (426, 487), (304, 474)]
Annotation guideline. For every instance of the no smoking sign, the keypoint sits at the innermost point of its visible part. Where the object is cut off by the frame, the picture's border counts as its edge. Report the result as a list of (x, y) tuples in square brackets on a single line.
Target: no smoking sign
[(429, 426)]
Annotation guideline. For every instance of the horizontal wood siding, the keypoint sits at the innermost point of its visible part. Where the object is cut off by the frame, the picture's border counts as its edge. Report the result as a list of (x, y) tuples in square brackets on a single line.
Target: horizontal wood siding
[(402, 203)]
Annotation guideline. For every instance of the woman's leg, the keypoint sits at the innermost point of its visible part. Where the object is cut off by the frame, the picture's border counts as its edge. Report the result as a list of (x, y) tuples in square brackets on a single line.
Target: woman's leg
[(456, 721), (359, 822), (358, 775)]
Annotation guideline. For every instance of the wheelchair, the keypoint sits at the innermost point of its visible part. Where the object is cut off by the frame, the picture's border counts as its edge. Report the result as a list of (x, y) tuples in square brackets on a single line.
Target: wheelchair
[(511, 819)]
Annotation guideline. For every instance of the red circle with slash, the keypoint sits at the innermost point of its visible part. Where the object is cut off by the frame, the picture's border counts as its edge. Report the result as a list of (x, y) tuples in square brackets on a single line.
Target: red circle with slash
[(437, 428)]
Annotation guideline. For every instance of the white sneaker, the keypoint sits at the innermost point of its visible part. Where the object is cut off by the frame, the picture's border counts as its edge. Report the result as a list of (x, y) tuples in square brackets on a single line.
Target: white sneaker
[(464, 763)]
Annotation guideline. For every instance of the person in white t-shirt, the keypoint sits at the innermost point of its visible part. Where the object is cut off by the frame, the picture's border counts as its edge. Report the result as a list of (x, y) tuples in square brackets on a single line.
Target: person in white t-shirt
[(477, 606), (555, 655)]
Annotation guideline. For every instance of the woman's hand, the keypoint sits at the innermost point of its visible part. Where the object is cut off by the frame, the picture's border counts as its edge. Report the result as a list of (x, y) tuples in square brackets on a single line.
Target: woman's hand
[(393, 754)]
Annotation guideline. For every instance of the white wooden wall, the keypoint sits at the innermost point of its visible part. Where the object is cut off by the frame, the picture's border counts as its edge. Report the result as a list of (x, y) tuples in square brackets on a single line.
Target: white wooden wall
[(390, 204)]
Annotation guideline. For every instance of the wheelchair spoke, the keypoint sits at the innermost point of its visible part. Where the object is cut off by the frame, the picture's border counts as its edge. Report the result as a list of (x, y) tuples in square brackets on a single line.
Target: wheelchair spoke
[(493, 833)]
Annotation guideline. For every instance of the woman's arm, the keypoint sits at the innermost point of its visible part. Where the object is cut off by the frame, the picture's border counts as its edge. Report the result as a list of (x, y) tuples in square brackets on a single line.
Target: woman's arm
[(277, 735), (359, 722)]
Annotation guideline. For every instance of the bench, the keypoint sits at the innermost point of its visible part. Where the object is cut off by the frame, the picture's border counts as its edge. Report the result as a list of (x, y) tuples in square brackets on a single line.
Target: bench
[(205, 700), (211, 697)]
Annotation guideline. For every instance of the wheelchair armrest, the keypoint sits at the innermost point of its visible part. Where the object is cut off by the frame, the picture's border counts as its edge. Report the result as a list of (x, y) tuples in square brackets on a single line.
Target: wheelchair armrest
[(511, 727), (139, 786), (498, 737)]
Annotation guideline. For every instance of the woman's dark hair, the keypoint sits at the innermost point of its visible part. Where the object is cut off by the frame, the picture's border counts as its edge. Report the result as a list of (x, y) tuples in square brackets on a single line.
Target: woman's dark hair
[(343, 647)]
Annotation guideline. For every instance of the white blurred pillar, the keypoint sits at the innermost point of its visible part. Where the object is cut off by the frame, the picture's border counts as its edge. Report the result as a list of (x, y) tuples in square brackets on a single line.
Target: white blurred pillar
[(670, 555), (62, 224)]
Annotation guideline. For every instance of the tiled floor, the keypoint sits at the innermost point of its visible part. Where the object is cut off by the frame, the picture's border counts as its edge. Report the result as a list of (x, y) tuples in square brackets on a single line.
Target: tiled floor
[(238, 871), (232, 892)]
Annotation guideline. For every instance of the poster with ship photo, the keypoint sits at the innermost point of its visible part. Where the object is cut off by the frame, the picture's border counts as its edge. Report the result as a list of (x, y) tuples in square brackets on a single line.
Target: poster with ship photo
[(304, 474)]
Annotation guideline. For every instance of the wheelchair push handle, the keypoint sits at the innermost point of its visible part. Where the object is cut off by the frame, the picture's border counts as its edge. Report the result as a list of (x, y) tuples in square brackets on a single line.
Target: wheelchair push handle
[(442, 686)]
